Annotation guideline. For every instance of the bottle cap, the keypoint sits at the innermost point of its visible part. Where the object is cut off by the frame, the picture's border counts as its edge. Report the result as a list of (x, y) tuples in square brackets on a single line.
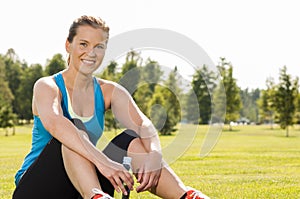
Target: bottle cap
[(126, 160)]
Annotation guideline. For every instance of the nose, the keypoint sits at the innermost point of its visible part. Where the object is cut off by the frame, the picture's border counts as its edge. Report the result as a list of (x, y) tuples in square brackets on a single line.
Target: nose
[(91, 52)]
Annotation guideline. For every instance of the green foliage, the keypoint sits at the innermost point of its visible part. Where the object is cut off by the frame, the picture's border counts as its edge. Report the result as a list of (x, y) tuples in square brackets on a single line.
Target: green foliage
[(13, 72), (7, 118), (250, 108), (150, 77), (267, 103), (110, 72), (286, 95), (278, 103), (130, 75), (25, 90), (298, 110), (157, 112), (171, 94), (54, 65), (232, 91), (191, 109), (203, 84)]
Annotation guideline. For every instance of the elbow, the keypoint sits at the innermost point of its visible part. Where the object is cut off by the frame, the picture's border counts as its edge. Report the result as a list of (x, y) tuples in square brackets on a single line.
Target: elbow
[(147, 129), (52, 124)]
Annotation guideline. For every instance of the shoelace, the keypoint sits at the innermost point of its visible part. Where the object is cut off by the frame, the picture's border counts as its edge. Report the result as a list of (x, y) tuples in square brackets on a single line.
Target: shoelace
[(104, 195), (196, 193)]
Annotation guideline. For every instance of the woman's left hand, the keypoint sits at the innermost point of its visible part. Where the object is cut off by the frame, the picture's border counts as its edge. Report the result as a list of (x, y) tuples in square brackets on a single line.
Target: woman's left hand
[(149, 173)]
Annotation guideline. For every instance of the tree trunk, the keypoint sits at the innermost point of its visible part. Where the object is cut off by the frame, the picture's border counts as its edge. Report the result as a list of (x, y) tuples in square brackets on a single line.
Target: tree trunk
[(287, 131)]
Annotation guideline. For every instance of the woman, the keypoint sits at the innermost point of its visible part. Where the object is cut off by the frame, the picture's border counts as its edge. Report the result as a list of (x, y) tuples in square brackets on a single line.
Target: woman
[(68, 110)]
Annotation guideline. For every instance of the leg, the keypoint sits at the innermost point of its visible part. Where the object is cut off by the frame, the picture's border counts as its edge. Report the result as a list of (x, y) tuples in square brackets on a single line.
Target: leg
[(81, 172), (168, 179), (46, 178)]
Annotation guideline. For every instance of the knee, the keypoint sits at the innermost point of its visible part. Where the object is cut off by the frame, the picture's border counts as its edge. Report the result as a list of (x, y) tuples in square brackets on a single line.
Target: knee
[(136, 146)]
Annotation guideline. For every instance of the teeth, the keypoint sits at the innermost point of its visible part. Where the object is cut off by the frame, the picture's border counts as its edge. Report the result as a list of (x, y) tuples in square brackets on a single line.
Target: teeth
[(88, 61)]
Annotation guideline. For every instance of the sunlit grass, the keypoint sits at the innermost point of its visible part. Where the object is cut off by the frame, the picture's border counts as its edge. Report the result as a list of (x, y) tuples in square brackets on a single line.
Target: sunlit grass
[(248, 162)]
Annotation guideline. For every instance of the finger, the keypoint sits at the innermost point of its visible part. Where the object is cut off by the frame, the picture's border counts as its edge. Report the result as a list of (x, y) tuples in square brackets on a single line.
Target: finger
[(144, 182), (114, 184), (157, 176), (150, 182), (156, 181), (120, 185), (128, 180), (140, 175)]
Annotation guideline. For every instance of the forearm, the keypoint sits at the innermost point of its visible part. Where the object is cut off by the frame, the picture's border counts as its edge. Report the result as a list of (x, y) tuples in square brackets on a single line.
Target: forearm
[(76, 140)]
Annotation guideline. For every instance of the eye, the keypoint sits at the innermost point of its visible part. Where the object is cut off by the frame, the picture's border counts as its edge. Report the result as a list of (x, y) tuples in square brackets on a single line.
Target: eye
[(101, 46), (83, 44)]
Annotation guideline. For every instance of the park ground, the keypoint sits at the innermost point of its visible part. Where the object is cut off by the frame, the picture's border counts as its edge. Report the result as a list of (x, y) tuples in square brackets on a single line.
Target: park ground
[(248, 162)]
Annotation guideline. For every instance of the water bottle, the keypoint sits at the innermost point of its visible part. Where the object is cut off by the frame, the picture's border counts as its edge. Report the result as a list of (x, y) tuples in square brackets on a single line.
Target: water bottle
[(127, 165)]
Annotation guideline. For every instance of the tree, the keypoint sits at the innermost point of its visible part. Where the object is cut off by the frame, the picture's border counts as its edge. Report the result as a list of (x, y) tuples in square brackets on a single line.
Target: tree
[(151, 74), (172, 96), (286, 95), (266, 103), (298, 110), (157, 112), (232, 92), (110, 73), (249, 109), (25, 90), (130, 71), (192, 113), (150, 77), (56, 64), (13, 72), (7, 117), (203, 84)]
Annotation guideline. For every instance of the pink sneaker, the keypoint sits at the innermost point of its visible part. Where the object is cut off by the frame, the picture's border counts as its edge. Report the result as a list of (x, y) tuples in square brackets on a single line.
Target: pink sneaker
[(100, 194), (195, 194)]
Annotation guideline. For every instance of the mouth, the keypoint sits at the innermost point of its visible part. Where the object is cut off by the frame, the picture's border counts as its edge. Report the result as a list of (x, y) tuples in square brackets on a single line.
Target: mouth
[(88, 62)]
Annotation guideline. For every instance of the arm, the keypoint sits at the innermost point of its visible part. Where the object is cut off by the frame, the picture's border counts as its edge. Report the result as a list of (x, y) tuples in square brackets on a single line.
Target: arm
[(127, 113), (46, 104)]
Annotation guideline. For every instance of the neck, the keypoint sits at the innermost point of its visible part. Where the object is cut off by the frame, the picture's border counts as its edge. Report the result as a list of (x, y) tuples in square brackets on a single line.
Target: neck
[(76, 80)]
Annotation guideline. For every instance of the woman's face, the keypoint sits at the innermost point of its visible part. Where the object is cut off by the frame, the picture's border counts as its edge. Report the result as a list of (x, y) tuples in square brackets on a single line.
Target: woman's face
[(87, 49)]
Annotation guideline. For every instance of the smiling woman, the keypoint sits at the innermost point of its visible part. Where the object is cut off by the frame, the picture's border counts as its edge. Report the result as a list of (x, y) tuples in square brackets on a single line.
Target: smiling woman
[(68, 110)]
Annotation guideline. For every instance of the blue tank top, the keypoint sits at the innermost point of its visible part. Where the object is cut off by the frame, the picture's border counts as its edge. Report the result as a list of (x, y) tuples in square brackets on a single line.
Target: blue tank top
[(40, 136)]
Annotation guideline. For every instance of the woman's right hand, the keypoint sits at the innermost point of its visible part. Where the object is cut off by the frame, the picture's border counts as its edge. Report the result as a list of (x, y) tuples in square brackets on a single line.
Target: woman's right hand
[(117, 175)]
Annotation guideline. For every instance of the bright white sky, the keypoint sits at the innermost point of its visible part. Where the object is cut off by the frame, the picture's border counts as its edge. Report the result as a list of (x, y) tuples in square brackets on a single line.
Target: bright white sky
[(258, 37)]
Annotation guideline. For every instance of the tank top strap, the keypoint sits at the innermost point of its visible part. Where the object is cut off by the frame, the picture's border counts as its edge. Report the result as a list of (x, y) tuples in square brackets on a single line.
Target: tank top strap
[(99, 103), (64, 101)]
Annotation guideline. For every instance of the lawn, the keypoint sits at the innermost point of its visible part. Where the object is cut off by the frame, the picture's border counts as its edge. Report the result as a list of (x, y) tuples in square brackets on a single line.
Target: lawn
[(248, 162)]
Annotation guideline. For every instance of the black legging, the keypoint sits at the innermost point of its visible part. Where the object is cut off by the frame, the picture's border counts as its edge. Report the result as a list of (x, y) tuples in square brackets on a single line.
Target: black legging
[(47, 178)]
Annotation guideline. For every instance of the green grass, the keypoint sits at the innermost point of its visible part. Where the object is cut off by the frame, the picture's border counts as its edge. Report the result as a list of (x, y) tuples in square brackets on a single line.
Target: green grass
[(248, 162)]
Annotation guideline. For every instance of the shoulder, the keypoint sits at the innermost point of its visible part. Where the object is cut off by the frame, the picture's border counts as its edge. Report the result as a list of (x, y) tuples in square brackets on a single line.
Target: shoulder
[(110, 86), (45, 84), (112, 91)]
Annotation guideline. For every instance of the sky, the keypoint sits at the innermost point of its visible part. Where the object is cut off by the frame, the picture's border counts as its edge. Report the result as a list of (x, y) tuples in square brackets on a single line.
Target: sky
[(258, 37)]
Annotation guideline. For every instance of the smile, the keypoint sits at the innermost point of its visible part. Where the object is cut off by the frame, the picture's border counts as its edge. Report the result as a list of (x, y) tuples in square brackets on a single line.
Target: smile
[(85, 61)]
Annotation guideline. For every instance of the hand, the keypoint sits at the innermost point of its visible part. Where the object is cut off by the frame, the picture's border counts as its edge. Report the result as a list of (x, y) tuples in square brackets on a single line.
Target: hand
[(149, 173), (117, 175)]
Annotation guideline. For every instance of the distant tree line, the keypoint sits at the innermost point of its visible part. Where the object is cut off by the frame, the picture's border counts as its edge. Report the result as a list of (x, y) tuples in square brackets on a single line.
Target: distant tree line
[(160, 93)]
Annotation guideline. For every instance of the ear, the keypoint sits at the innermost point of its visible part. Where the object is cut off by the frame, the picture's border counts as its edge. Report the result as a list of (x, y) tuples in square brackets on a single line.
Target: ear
[(67, 46)]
